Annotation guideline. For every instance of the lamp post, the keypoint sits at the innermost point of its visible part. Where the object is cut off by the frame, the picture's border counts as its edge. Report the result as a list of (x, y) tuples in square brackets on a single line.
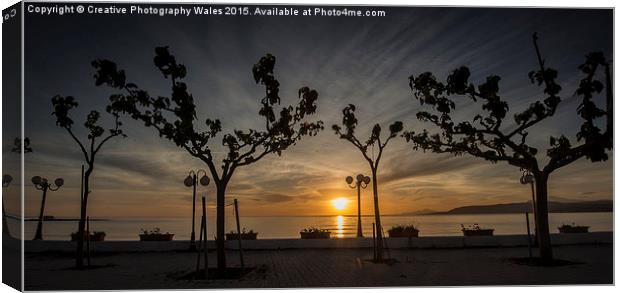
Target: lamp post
[(528, 178), (6, 181), (192, 181), (361, 181), (41, 183)]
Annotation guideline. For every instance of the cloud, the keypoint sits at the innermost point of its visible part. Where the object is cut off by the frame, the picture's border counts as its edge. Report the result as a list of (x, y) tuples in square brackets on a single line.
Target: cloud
[(270, 197), (365, 61), (406, 167)]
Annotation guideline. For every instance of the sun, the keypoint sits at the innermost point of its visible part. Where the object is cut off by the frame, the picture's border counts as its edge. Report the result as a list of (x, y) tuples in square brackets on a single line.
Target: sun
[(340, 203)]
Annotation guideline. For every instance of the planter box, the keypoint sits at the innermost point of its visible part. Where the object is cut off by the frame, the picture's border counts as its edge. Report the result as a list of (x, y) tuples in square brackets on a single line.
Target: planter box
[(244, 236), (573, 229), (156, 237), (478, 232), (315, 235), (400, 234), (95, 236)]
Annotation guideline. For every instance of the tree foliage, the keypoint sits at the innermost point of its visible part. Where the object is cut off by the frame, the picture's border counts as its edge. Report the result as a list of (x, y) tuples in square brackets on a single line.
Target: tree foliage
[(96, 139), (487, 136), (175, 117), (347, 132)]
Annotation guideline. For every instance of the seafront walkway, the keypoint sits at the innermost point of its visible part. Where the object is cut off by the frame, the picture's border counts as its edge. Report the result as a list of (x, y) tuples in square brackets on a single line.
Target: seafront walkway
[(586, 262)]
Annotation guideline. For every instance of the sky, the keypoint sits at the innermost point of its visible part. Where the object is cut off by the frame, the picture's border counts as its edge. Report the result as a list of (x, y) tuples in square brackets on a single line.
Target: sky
[(363, 61)]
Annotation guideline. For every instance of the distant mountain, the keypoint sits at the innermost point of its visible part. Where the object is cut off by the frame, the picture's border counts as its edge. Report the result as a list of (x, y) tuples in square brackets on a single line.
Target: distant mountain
[(418, 212), (554, 207), (562, 199)]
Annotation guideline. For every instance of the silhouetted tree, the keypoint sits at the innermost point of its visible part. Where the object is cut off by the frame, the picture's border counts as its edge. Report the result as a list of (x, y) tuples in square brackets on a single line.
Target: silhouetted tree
[(175, 119), (349, 122), (7, 178), (485, 136), (97, 137)]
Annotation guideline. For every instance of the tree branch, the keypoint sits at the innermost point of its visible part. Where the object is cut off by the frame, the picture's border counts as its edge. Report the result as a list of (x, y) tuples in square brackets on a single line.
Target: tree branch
[(84, 152)]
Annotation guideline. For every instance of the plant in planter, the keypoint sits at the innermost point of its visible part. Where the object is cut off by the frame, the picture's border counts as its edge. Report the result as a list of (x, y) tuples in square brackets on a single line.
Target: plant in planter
[(403, 231), (245, 235), (155, 235), (475, 230), (315, 233), (95, 236), (573, 228)]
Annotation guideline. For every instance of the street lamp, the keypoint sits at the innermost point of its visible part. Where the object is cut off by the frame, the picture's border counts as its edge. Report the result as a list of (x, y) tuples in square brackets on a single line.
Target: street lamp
[(528, 178), (6, 180), (191, 181), (41, 183), (361, 181)]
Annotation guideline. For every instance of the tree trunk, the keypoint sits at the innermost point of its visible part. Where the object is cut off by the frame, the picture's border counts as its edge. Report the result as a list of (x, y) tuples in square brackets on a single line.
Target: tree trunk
[(220, 240), (542, 218), (39, 234), (377, 216), (79, 260), (5, 225), (534, 212), (360, 233)]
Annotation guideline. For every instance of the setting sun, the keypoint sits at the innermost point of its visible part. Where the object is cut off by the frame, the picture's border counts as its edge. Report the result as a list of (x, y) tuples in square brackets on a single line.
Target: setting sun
[(340, 203)]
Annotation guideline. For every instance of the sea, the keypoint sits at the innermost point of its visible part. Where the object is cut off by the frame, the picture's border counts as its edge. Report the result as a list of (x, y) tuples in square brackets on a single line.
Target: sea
[(340, 225)]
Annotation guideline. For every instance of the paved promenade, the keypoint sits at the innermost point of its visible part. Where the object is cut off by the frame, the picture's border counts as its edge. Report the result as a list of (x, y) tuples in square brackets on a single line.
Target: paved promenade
[(325, 268)]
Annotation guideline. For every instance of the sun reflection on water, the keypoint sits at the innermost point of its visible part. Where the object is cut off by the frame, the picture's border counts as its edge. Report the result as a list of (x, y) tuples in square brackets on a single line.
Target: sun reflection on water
[(340, 226)]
